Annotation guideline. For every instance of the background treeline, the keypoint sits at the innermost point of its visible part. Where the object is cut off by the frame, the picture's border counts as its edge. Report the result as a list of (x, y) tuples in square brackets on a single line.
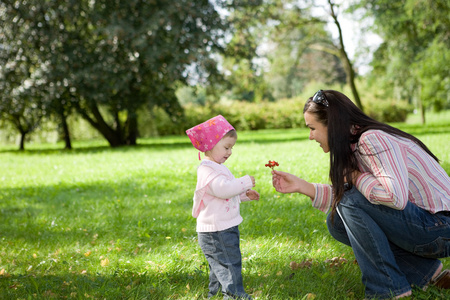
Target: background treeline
[(121, 70), (283, 113)]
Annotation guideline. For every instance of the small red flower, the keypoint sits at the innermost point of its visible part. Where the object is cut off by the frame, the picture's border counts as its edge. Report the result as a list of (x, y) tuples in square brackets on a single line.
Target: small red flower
[(272, 164)]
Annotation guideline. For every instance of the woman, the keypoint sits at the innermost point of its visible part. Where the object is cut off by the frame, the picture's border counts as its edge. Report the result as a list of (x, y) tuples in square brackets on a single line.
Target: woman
[(389, 198)]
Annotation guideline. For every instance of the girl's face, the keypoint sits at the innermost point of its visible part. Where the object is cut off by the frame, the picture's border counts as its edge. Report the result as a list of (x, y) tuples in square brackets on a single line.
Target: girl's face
[(317, 131), (222, 150)]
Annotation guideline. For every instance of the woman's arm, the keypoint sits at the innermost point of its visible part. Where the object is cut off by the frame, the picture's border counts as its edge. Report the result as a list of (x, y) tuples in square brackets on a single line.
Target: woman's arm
[(386, 180), (321, 194), (287, 183)]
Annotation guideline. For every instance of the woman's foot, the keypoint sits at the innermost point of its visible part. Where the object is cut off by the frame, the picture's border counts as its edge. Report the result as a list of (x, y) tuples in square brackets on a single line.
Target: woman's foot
[(438, 271), (407, 294), (442, 281)]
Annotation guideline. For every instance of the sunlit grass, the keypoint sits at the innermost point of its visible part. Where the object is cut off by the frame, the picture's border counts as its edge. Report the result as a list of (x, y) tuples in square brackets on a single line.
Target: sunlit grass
[(116, 223)]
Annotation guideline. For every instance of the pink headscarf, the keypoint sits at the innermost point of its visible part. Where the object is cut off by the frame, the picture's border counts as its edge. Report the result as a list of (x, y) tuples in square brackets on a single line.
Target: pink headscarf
[(207, 134)]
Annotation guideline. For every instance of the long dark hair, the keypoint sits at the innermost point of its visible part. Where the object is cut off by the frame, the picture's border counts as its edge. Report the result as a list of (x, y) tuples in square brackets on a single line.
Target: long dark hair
[(345, 123)]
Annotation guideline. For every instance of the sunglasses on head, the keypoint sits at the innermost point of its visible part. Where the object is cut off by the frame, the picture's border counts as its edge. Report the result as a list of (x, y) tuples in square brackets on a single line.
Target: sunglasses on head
[(320, 98)]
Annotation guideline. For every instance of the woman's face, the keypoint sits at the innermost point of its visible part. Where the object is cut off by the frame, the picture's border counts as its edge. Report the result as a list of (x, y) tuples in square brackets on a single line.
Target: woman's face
[(317, 131)]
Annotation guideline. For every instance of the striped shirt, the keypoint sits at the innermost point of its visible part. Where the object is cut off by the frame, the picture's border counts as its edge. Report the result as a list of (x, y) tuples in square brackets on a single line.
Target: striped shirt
[(394, 171)]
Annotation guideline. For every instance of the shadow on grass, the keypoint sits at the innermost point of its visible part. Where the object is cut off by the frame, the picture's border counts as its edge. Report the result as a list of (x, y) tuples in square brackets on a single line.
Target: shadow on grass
[(79, 218), (319, 282), (64, 214), (259, 137), (160, 146), (118, 285), (162, 143)]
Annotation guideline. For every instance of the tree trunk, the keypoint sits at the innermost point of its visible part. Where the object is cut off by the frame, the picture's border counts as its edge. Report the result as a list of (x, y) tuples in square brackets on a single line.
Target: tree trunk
[(131, 129), (113, 137), (421, 106), (422, 113), (22, 141), (348, 67), (66, 132)]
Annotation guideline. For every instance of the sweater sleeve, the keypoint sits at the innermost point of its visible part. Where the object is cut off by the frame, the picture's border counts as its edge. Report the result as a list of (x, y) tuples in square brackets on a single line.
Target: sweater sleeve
[(386, 180), (243, 197), (224, 188), (205, 174), (323, 197)]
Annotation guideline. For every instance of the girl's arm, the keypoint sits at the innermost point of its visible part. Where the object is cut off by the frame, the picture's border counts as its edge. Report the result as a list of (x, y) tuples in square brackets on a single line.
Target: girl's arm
[(223, 188)]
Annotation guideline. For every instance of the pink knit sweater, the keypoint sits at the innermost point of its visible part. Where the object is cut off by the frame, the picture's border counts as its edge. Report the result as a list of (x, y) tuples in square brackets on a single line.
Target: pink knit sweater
[(217, 197)]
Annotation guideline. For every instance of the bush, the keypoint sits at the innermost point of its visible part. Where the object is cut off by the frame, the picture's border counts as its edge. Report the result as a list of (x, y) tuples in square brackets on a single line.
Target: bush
[(388, 111), (286, 113), (251, 116)]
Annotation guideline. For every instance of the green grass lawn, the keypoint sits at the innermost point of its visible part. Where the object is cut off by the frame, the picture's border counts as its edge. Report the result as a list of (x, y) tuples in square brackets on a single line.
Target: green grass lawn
[(101, 223)]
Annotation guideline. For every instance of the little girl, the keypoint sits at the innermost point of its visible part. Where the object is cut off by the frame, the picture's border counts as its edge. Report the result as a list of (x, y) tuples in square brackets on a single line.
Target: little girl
[(216, 206)]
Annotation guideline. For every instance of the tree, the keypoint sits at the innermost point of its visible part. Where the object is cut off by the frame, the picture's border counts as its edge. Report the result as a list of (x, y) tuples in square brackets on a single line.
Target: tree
[(108, 59), (348, 66), (21, 77), (412, 60), (297, 45), (303, 50)]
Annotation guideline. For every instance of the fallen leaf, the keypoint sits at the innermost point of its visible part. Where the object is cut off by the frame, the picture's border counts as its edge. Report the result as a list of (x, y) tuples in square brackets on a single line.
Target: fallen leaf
[(104, 262), (4, 273), (302, 265), (293, 265)]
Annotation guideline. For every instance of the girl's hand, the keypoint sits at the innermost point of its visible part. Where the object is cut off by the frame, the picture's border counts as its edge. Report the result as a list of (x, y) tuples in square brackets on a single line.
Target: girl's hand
[(253, 195), (253, 180), (285, 182)]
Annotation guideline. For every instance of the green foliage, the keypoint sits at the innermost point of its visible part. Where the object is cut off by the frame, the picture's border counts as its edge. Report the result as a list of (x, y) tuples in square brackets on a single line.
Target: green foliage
[(278, 48), (243, 115), (412, 62), (114, 54), (116, 223), (388, 111), (434, 75), (284, 113)]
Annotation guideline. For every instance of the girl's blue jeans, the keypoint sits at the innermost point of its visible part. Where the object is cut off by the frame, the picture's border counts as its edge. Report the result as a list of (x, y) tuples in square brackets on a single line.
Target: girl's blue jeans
[(222, 251), (395, 249)]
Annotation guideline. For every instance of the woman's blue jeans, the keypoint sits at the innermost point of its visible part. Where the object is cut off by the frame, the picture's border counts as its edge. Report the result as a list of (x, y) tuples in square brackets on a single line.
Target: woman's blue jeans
[(222, 251), (395, 249)]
